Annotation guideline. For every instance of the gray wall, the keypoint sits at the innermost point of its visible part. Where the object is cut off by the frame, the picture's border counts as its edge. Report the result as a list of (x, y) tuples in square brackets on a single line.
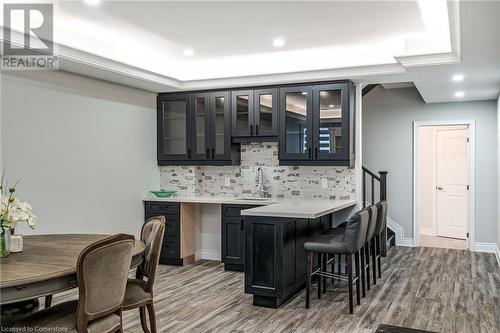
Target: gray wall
[(498, 175), (388, 117), (84, 149)]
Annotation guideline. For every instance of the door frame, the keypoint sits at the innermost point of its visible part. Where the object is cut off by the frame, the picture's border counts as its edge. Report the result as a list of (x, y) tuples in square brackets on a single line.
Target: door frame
[(472, 175)]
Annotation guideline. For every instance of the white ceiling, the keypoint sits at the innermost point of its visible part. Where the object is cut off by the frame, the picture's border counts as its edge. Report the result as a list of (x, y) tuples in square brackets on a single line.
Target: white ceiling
[(141, 43)]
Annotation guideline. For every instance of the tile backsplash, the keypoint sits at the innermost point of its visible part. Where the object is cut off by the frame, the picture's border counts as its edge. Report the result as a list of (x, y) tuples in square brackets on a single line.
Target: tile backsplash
[(279, 181)]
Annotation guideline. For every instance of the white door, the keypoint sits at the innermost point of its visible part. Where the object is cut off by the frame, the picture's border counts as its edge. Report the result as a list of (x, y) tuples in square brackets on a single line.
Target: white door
[(452, 179)]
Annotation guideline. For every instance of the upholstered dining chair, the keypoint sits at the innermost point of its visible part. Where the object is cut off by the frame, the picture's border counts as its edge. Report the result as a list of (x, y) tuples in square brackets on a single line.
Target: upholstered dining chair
[(139, 292), (102, 271)]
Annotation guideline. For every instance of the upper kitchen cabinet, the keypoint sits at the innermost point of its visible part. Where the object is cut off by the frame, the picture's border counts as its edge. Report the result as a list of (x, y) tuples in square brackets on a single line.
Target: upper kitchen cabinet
[(206, 130), (173, 127), (316, 125), (254, 114)]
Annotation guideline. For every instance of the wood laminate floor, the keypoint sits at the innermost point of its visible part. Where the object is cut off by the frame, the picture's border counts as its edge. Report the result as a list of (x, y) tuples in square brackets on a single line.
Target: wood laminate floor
[(440, 290)]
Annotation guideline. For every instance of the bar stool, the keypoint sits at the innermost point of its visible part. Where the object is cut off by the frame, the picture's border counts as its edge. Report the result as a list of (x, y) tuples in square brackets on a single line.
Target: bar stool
[(348, 244), (365, 261), (381, 223)]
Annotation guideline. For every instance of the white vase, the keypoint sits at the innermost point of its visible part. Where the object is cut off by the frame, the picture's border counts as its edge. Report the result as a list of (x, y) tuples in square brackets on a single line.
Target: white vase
[(16, 243)]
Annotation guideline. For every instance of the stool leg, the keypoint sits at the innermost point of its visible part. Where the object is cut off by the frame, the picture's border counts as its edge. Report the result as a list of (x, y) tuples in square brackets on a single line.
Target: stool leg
[(356, 265), (349, 281), (308, 283), (325, 256), (362, 255), (379, 257), (320, 263), (367, 256), (339, 263), (374, 260), (332, 267)]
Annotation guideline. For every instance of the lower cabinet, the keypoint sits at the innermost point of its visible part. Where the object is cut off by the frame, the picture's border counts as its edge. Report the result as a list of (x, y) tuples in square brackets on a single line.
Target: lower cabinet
[(233, 237), (170, 251)]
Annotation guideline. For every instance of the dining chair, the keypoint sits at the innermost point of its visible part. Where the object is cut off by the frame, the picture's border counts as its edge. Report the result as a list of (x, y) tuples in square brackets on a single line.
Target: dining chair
[(102, 271), (139, 292)]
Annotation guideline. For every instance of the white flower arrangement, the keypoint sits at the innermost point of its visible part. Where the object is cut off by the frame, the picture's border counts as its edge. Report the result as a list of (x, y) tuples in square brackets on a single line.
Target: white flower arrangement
[(12, 210)]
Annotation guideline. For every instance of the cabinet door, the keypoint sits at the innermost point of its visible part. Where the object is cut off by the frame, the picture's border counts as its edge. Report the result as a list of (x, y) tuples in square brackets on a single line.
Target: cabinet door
[(266, 112), (331, 122), (242, 113), (220, 127), (173, 127), (200, 121), (295, 142), (233, 244)]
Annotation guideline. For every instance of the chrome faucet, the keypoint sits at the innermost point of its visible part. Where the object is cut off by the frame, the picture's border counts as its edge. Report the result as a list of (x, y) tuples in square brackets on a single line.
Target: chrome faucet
[(259, 182)]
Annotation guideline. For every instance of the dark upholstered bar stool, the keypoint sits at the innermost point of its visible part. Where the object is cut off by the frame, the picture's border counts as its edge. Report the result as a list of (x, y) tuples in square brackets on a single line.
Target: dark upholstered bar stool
[(348, 244), (377, 239), (365, 259)]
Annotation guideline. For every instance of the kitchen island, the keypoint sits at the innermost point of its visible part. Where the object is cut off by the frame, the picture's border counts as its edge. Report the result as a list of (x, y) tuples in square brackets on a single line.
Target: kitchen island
[(262, 237)]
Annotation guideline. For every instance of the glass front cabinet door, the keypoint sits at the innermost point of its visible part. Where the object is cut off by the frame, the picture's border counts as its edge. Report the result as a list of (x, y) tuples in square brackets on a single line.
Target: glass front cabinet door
[(220, 126), (316, 123), (173, 122), (200, 124)]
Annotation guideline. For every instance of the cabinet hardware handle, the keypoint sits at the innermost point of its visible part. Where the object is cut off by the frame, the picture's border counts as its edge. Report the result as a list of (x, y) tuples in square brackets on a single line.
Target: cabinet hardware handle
[(310, 152), (213, 153), (189, 153), (208, 153), (256, 129), (251, 129), (316, 153), (242, 224)]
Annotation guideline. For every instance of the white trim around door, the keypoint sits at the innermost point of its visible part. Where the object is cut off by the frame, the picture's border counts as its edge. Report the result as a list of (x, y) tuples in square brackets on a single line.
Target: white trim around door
[(472, 175)]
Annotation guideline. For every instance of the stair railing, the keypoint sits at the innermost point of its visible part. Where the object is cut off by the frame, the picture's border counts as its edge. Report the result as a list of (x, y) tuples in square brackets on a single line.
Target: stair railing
[(381, 178)]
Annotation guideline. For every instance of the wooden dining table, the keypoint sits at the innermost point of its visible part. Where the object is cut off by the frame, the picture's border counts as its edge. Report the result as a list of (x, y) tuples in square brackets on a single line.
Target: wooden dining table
[(47, 265)]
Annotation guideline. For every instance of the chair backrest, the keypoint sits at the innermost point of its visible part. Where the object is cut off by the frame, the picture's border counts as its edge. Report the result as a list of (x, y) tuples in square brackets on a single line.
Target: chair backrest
[(355, 231), (372, 222), (102, 272), (152, 235), (381, 216)]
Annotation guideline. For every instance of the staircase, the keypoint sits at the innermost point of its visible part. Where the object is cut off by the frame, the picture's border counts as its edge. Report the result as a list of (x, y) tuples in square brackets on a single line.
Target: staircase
[(378, 182)]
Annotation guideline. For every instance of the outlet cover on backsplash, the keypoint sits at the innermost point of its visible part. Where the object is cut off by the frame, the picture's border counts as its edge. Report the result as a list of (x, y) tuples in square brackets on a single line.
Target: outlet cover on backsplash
[(279, 181)]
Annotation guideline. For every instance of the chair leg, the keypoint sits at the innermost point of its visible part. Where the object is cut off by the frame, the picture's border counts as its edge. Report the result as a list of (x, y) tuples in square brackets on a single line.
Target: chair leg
[(349, 281), (48, 301), (356, 265), (308, 282), (367, 256), (325, 256), (362, 255), (144, 322), (152, 317), (379, 257), (339, 264), (320, 263), (374, 260), (332, 267)]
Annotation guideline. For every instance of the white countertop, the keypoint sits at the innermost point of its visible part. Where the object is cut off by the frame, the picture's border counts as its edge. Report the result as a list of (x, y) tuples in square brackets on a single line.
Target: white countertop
[(209, 199), (292, 208), (299, 208)]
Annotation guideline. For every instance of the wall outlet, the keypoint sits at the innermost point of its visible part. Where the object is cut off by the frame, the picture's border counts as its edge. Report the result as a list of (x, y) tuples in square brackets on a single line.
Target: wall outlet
[(227, 181), (324, 182)]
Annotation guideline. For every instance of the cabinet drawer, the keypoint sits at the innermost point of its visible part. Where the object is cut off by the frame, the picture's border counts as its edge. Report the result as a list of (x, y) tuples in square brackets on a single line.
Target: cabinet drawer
[(234, 210), (170, 247), (172, 224), (162, 208)]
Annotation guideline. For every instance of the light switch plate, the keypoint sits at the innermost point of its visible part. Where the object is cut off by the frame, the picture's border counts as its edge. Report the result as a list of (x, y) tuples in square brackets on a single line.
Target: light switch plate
[(227, 181), (324, 182)]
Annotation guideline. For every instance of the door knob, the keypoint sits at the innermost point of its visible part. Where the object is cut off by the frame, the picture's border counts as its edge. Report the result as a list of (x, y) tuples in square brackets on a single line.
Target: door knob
[(439, 188)]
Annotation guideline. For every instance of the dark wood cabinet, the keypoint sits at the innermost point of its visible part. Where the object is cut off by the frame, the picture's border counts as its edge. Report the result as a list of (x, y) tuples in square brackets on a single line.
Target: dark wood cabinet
[(254, 114), (233, 237), (316, 124), (195, 129), (170, 250)]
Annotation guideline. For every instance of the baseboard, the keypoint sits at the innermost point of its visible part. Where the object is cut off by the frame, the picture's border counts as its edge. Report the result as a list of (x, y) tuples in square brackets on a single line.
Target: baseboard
[(208, 255), (401, 240), (486, 247)]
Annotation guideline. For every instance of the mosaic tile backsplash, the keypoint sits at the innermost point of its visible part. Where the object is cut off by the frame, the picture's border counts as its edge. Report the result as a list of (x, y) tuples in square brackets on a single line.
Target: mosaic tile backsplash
[(279, 181)]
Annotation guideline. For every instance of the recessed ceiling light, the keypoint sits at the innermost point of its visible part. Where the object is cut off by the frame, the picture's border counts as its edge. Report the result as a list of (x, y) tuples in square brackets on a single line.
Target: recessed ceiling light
[(458, 77), (279, 42), (188, 52), (459, 94), (92, 2), (331, 106)]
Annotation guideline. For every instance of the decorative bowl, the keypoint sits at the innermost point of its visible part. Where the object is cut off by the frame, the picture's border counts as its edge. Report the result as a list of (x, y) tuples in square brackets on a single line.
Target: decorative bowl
[(163, 194)]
